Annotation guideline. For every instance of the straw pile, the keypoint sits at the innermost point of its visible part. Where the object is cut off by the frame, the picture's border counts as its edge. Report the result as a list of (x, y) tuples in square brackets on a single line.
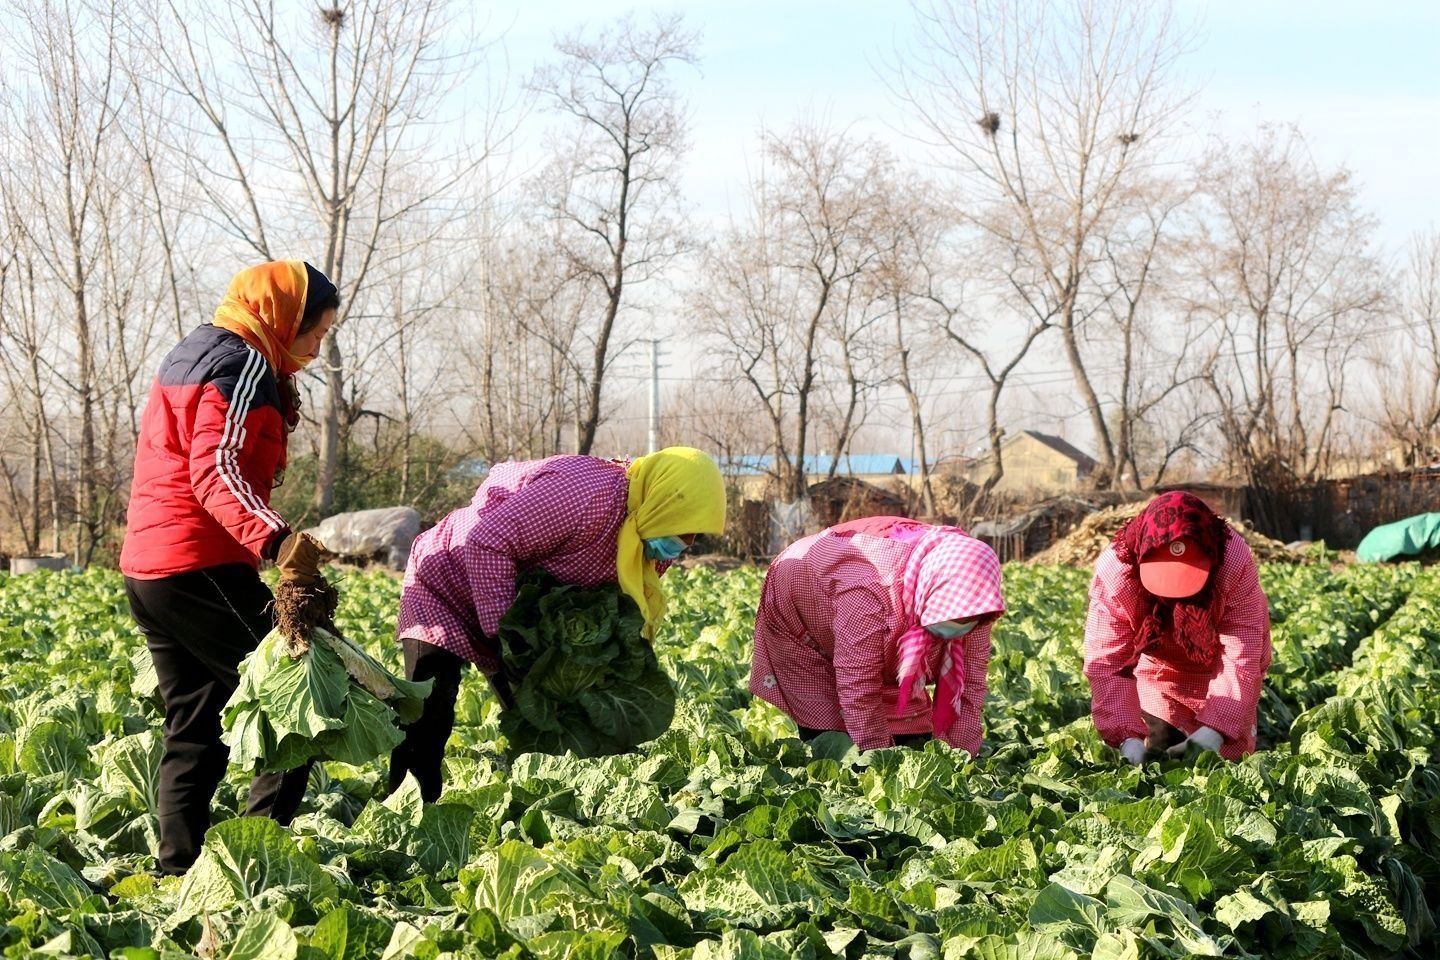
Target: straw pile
[(1083, 545)]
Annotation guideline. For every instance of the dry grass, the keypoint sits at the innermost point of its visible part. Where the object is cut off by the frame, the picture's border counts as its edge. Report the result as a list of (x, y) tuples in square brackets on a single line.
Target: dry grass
[(1083, 545)]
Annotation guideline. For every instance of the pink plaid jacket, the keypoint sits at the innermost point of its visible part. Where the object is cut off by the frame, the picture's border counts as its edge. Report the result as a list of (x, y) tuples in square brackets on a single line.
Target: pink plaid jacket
[(1163, 682), (834, 612), (561, 515)]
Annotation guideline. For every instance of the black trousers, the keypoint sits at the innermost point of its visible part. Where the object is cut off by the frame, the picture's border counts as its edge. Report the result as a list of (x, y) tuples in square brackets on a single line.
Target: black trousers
[(199, 626), (915, 741), (423, 749)]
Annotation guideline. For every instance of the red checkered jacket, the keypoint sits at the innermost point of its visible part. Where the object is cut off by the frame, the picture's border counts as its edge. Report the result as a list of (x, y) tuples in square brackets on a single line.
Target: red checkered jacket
[(1222, 695)]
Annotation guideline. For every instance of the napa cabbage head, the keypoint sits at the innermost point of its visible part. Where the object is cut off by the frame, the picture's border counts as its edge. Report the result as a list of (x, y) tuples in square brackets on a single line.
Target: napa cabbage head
[(584, 677)]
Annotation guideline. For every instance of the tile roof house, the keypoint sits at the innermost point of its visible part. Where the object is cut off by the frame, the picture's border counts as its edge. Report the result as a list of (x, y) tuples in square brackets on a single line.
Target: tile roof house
[(1037, 462)]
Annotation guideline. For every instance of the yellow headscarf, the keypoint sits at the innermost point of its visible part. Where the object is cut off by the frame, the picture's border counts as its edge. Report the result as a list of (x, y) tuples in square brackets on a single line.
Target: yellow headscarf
[(673, 492), (265, 306)]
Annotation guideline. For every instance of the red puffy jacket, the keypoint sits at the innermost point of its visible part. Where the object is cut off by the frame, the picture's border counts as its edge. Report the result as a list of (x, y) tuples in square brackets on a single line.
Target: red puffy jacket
[(211, 442)]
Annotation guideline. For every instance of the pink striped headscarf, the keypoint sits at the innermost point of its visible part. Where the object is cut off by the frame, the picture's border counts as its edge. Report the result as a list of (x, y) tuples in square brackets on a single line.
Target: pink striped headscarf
[(949, 576)]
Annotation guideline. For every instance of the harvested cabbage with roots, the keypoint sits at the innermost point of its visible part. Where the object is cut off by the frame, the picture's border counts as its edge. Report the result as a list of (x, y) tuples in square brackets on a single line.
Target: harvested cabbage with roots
[(325, 699)]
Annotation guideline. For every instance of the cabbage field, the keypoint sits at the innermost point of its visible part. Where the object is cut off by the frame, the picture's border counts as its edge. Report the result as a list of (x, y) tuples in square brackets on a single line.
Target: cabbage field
[(727, 837)]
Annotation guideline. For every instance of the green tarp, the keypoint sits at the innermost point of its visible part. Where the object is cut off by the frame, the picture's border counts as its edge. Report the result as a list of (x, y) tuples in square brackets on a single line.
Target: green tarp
[(1410, 537)]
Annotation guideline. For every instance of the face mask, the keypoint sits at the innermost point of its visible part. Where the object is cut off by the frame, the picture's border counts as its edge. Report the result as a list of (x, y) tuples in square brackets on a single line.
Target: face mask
[(950, 630), (664, 548)]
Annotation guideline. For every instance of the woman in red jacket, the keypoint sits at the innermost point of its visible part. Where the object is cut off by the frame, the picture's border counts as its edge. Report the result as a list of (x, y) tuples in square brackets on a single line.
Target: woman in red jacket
[(1177, 641), (212, 443)]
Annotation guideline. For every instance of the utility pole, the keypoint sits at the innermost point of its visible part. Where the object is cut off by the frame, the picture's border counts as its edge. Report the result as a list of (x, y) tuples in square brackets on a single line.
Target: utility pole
[(654, 395)]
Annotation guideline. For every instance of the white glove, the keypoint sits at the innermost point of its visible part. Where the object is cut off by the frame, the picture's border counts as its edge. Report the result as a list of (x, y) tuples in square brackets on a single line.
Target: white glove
[(1133, 750), (1204, 738)]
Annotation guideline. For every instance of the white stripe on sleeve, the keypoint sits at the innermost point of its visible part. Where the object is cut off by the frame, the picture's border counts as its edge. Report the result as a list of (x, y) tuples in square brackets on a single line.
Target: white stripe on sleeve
[(232, 439)]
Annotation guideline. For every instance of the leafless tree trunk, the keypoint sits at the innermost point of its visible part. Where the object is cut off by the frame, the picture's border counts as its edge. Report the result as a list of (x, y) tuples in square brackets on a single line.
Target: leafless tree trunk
[(910, 228), (1159, 345), (1284, 273), (25, 361), (998, 366), (777, 299), (856, 333), (168, 195), (69, 192), (24, 505)]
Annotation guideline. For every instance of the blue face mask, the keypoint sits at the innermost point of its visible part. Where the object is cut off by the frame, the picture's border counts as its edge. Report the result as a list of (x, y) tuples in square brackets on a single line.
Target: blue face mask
[(664, 548), (950, 630)]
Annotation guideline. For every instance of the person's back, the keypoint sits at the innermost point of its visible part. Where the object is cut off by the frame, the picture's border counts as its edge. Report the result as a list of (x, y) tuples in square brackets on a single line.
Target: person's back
[(806, 577), (561, 514)]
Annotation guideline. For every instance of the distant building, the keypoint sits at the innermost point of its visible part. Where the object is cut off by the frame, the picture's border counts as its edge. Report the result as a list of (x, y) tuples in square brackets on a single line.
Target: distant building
[(1036, 463)]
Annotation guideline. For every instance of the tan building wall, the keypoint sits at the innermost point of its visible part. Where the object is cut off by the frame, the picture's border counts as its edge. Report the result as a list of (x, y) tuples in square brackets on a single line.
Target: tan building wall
[(1030, 466)]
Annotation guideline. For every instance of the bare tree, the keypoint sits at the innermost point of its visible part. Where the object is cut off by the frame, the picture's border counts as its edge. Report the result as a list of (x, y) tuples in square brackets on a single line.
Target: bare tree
[(155, 137), (778, 288), (861, 354), (328, 108), (612, 185), (1161, 347), (1047, 110), (522, 350), (910, 228), (1284, 271), (83, 254), (970, 325), (23, 381), (1407, 365)]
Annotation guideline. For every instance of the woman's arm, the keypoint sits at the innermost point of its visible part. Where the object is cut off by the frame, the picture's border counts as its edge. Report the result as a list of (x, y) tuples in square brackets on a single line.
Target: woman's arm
[(229, 457), (861, 632), (1110, 654), (1245, 653)]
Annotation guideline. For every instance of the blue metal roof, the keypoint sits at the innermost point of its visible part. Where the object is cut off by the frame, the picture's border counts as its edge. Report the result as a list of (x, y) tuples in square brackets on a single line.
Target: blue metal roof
[(858, 464)]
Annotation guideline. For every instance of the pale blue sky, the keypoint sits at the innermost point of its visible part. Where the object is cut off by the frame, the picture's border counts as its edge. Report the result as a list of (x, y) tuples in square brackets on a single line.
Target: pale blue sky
[(1361, 79)]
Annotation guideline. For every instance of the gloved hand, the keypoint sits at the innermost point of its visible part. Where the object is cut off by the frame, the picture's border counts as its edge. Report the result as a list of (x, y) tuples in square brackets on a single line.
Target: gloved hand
[(298, 558), (1133, 750), (1203, 739), (304, 599)]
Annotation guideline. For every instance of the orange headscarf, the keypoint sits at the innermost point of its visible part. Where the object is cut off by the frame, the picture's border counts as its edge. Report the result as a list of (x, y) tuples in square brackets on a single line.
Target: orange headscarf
[(265, 305)]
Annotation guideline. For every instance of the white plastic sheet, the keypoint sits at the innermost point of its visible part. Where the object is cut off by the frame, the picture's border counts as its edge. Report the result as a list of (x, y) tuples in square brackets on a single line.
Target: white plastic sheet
[(385, 534)]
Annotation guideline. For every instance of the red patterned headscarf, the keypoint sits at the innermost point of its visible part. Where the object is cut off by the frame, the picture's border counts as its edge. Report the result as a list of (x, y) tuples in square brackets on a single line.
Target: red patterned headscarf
[(1170, 517), (949, 575)]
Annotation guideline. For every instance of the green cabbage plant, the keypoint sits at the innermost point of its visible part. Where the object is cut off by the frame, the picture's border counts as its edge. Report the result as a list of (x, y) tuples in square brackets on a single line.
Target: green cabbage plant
[(584, 678)]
